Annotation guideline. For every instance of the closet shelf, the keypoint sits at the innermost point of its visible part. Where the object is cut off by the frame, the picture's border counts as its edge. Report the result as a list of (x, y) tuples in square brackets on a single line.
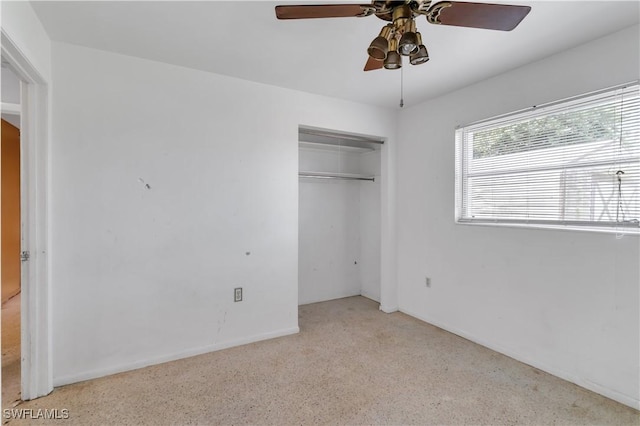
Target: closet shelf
[(344, 176), (334, 147)]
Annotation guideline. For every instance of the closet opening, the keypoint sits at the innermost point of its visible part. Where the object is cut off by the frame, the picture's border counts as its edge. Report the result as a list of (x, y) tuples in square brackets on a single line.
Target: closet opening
[(339, 215)]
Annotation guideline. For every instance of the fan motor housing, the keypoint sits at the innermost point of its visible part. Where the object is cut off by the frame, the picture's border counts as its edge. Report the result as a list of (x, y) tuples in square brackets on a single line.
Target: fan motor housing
[(384, 8)]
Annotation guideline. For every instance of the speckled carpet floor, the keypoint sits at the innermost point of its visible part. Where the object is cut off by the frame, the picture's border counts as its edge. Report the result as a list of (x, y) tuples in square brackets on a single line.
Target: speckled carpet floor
[(350, 364)]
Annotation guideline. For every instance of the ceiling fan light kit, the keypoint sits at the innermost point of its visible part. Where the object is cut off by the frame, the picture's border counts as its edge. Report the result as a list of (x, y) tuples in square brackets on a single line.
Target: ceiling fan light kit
[(408, 44), (421, 56), (393, 61), (380, 45), (400, 37)]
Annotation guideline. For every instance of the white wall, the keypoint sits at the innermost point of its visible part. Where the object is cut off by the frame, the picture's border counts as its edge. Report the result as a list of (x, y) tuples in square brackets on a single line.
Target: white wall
[(142, 275), (339, 227), (329, 227), (10, 86), (328, 240), (563, 301), (10, 94)]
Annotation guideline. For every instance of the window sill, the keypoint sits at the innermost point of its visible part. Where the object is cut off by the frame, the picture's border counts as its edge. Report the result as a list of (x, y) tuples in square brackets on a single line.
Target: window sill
[(618, 232)]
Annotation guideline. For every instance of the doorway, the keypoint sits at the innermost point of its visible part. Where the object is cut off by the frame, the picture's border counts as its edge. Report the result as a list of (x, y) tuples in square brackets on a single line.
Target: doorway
[(35, 365), (10, 250)]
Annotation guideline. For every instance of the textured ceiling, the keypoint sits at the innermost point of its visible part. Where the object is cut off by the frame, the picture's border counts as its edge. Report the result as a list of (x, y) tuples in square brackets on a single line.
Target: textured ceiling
[(325, 56)]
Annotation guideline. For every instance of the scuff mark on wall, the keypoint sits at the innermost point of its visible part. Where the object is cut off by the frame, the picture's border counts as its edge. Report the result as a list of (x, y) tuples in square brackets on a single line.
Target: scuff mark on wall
[(146, 185), (222, 323)]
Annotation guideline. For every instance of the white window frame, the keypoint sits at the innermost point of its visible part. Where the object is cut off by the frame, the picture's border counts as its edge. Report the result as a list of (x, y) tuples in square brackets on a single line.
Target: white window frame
[(462, 156)]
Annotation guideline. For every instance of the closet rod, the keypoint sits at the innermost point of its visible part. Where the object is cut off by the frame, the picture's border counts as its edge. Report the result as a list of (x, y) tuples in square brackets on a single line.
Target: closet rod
[(330, 176)]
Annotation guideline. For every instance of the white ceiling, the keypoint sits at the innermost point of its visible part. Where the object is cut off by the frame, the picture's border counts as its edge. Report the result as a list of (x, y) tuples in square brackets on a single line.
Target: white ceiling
[(325, 56)]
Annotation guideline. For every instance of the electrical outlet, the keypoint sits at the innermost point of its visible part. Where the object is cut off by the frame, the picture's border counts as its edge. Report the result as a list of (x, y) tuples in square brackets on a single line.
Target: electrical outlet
[(427, 281), (237, 294)]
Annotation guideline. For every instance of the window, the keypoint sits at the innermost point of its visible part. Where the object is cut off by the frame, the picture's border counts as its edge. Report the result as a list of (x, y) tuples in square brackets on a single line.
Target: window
[(571, 164)]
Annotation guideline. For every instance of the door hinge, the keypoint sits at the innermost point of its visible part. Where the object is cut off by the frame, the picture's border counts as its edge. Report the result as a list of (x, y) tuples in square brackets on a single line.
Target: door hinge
[(25, 255)]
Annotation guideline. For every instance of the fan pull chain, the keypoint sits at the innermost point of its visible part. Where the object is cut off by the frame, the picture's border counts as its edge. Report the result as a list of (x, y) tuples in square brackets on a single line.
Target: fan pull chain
[(401, 87)]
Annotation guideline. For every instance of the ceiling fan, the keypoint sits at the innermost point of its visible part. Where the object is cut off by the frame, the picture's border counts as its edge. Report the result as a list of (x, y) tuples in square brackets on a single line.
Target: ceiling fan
[(400, 37)]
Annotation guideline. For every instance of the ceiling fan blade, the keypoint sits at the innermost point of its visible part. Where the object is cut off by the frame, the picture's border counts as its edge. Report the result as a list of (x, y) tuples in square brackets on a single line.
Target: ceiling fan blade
[(373, 64), (501, 17), (321, 11)]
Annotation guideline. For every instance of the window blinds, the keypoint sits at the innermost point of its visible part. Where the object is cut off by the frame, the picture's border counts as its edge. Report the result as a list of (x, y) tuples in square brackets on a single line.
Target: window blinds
[(573, 163)]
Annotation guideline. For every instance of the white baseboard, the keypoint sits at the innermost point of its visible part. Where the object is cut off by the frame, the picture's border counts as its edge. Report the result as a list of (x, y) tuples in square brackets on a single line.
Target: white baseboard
[(328, 298), (101, 372), (594, 387), (369, 296), (389, 309)]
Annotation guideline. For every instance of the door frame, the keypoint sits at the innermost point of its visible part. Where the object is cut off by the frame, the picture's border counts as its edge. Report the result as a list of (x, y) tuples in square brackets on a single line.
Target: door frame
[(35, 328)]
